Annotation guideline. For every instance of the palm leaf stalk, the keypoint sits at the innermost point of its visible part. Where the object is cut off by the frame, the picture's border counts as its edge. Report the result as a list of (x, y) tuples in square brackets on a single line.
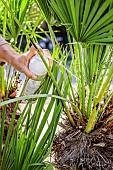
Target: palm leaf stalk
[(95, 71), (2, 82), (80, 77), (96, 80), (105, 104), (98, 99)]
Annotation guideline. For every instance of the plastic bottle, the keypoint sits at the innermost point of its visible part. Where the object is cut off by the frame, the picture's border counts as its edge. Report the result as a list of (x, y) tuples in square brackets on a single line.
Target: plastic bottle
[(37, 66)]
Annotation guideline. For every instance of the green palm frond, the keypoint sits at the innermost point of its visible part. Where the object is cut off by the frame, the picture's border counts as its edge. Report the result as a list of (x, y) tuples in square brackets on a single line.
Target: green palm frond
[(48, 12), (43, 4), (19, 9), (25, 11), (88, 21)]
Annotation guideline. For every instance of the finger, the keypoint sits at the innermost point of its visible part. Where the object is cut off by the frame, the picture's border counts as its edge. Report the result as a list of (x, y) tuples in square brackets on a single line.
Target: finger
[(32, 52), (29, 74), (39, 48), (47, 52), (50, 62), (33, 49), (49, 56)]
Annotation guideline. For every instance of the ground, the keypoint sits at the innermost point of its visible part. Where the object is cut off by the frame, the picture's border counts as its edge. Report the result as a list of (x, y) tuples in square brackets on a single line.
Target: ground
[(76, 150), (9, 111)]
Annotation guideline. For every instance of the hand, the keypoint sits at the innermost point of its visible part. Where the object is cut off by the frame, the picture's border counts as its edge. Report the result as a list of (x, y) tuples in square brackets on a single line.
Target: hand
[(22, 61)]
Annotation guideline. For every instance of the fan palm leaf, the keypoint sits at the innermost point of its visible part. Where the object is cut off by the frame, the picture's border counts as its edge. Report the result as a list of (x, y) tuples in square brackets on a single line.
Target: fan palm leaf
[(88, 21)]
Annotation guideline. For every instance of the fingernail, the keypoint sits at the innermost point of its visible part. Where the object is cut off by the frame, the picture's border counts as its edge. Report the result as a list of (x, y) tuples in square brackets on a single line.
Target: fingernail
[(34, 77)]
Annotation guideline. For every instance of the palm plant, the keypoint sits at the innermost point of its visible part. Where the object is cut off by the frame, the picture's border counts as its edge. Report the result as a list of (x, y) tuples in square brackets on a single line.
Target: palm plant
[(90, 24)]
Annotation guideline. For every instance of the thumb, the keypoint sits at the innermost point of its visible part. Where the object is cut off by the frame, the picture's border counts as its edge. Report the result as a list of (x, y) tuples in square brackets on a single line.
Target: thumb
[(30, 74), (33, 51)]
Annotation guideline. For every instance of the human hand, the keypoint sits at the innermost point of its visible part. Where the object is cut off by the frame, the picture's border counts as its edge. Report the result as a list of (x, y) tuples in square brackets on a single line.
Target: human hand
[(21, 62)]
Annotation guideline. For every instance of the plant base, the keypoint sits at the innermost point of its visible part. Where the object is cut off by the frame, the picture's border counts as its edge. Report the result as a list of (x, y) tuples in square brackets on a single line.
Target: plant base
[(75, 150)]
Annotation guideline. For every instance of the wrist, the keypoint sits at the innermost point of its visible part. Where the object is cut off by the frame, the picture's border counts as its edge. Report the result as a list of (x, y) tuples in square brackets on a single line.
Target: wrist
[(7, 54)]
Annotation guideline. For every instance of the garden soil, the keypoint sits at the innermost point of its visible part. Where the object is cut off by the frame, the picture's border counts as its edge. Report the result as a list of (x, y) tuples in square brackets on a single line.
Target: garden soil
[(9, 110), (76, 150)]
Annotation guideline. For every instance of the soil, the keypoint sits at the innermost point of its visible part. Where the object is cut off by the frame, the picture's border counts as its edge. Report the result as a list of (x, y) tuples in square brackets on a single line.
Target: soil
[(76, 150), (14, 87), (9, 110)]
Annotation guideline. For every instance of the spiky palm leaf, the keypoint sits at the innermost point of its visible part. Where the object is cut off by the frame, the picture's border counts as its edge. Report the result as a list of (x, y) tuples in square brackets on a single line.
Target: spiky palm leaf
[(88, 21)]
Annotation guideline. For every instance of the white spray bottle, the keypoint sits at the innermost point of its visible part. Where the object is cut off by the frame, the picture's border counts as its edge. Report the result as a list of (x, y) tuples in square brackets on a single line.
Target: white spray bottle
[(37, 66)]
